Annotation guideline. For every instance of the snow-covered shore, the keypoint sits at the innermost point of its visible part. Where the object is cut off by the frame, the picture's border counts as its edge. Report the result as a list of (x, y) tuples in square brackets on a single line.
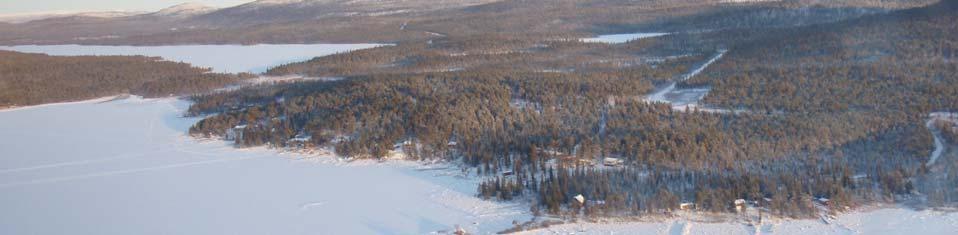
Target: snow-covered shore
[(126, 167), (19, 108), (885, 220), (939, 143)]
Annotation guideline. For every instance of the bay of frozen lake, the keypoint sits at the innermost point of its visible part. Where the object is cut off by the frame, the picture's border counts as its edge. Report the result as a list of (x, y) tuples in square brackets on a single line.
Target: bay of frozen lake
[(220, 58), (621, 38), (126, 167)]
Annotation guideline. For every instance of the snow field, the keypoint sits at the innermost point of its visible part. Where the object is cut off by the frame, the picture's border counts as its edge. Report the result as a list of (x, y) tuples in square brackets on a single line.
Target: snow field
[(126, 167)]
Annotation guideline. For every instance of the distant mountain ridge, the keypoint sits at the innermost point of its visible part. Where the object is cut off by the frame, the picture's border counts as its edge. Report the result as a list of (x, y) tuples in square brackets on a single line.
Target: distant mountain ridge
[(304, 21), (27, 17), (185, 10)]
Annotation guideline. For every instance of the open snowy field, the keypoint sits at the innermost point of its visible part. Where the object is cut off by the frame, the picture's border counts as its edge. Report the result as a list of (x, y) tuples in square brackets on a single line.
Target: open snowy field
[(221, 58), (125, 167)]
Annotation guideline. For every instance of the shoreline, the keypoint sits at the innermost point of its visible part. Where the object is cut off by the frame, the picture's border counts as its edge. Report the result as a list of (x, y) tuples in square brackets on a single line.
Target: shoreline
[(87, 101), (848, 222)]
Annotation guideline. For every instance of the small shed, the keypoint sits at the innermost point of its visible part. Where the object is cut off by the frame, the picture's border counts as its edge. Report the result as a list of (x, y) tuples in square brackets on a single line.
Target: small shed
[(823, 201), (611, 161), (739, 205), (235, 132), (301, 138), (579, 198), (686, 206)]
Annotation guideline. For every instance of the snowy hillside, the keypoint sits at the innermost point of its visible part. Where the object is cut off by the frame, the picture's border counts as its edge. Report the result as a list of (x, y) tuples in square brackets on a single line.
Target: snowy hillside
[(185, 10)]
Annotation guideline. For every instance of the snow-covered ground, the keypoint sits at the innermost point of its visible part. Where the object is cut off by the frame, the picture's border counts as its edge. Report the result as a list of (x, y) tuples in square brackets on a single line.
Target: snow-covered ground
[(126, 167), (893, 220), (682, 99), (621, 38), (939, 143), (221, 58)]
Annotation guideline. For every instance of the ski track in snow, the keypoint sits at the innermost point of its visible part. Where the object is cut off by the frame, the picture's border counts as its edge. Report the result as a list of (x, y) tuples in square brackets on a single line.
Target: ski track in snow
[(123, 172), (311, 205), (77, 163), (680, 228), (22, 108), (939, 144), (661, 96)]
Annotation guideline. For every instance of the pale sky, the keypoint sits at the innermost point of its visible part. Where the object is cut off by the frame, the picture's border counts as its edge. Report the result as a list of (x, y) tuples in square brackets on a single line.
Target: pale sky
[(8, 7)]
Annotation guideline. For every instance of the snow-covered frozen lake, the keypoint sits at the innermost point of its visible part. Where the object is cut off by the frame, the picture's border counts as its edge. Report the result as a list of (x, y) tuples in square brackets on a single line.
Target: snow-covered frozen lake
[(221, 58), (621, 38), (126, 167)]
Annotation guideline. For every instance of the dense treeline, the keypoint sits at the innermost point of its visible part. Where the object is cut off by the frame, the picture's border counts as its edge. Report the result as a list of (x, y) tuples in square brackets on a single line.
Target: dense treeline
[(902, 61), (752, 17), (499, 53), (28, 79), (519, 122), (898, 67)]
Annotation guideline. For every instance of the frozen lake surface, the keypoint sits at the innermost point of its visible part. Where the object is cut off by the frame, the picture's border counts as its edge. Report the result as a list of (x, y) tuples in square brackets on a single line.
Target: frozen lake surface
[(126, 167), (621, 38), (221, 58)]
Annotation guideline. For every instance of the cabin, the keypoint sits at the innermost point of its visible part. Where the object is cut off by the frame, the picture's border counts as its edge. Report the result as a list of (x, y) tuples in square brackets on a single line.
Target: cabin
[(739, 205), (403, 144), (823, 201), (570, 160), (579, 198), (300, 140), (585, 162), (686, 206), (597, 202), (611, 161), (235, 132)]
